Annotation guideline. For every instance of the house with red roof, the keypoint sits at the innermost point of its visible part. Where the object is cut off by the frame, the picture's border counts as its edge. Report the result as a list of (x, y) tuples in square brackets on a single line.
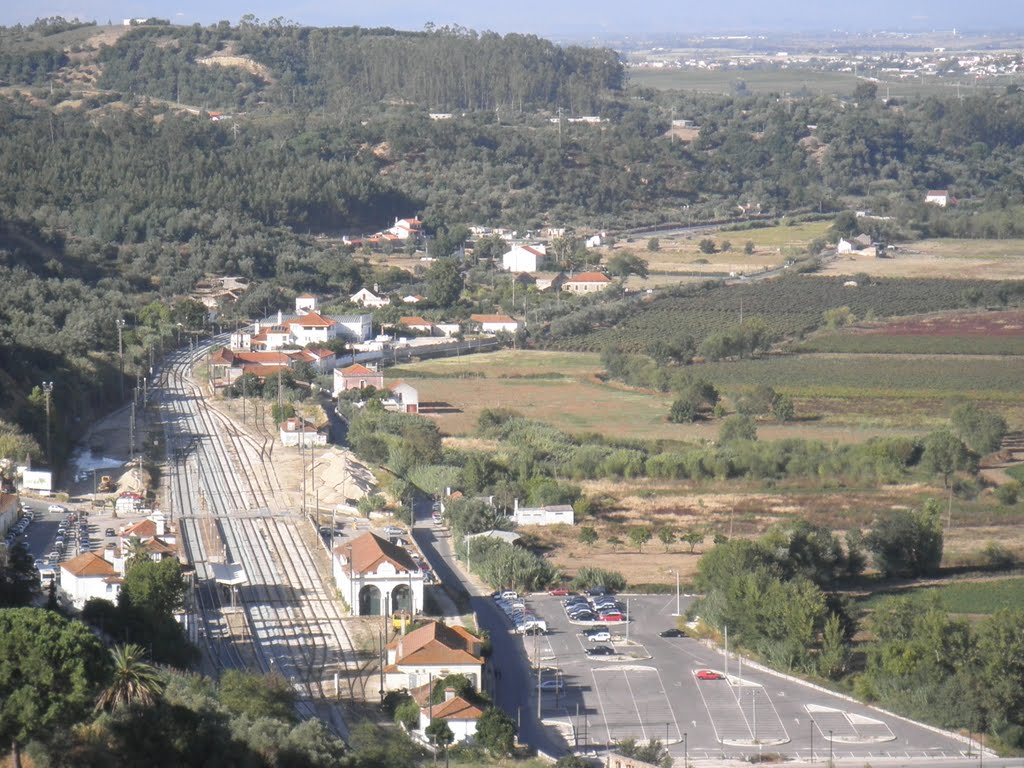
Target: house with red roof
[(356, 376), (377, 577), (495, 323), (298, 431), (416, 323), (406, 228), (460, 714), (587, 282), (432, 651), (89, 576), (523, 258)]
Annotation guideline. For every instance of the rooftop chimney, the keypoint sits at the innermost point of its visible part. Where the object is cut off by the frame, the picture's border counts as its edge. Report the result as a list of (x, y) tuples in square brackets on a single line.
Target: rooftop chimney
[(449, 694), (280, 317)]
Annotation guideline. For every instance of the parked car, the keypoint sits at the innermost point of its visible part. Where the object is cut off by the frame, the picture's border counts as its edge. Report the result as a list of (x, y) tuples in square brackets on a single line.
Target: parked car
[(56, 509), (600, 650), (597, 591), (672, 633), (555, 684), (707, 674), (558, 592), (508, 594), (586, 616), (603, 636), (610, 617), (110, 532)]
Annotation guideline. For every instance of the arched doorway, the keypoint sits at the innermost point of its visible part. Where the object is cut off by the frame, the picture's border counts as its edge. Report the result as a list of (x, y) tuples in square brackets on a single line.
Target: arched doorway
[(401, 599), (369, 601)]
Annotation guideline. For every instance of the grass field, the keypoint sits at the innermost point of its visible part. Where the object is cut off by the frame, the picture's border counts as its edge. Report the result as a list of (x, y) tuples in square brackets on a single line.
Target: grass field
[(860, 343), (963, 597), (1017, 472)]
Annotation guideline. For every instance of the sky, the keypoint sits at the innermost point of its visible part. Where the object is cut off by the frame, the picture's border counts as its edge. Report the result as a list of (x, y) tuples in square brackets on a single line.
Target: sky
[(579, 18)]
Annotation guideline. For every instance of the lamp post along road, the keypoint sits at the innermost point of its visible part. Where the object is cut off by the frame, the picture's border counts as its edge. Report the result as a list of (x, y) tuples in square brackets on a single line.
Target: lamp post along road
[(47, 392)]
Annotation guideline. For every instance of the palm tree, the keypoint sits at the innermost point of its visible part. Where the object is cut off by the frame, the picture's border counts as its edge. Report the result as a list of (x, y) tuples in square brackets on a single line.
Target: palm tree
[(135, 682), (135, 552)]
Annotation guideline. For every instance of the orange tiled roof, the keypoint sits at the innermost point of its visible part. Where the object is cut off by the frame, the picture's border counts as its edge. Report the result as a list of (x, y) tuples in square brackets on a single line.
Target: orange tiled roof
[(456, 708), (492, 319), (358, 370), (88, 564), (437, 643), (144, 529), (313, 320), (413, 320), (369, 550), (590, 277)]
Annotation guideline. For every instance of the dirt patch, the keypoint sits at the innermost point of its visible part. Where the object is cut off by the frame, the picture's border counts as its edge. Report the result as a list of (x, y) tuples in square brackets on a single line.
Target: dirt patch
[(946, 324), (241, 62), (955, 259)]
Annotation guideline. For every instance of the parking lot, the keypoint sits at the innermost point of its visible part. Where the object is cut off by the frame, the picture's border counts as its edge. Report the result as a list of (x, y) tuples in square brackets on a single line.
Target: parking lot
[(684, 693)]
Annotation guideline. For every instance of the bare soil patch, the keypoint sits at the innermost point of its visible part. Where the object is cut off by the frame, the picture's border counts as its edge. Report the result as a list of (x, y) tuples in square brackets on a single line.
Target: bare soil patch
[(1009, 323), (952, 259)]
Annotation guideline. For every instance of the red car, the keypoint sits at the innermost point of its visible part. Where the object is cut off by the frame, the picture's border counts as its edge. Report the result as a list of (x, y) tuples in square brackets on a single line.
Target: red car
[(558, 592), (610, 617), (707, 674)]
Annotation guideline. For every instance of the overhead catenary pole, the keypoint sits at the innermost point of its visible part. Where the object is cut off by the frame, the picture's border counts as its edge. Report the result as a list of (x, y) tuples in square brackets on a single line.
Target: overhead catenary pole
[(47, 392), (120, 355)]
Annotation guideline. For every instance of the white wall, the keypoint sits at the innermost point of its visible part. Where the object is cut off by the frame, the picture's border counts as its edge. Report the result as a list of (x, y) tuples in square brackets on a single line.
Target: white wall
[(80, 590)]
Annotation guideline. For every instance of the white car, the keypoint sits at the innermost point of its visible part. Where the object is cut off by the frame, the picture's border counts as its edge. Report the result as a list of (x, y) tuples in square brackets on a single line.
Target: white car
[(599, 637), (56, 508), (552, 685)]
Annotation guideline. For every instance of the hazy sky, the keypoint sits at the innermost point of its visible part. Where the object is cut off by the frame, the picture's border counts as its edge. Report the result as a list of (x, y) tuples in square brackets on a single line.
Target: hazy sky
[(560, 17)]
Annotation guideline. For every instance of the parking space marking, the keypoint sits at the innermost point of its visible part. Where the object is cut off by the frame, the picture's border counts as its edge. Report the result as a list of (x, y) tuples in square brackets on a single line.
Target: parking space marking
[(848, 727), (742, 715), (634, 711), (632, 697)]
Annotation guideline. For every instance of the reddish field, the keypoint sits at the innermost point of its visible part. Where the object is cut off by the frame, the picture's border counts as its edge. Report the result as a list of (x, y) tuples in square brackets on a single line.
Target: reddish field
[(980, 324)]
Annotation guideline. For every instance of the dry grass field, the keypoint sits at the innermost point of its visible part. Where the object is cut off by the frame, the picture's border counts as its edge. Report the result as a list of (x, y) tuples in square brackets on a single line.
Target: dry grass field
[(959, 259)]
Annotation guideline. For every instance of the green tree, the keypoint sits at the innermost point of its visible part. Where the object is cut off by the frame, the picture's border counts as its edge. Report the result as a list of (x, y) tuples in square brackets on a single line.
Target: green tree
[(638, 536), (136, 552), (440, 734), (736, 427), (683, 411), (945, 454), (980, 430), (707, 245), (255, 695), (135, 683), (496, 732), (693, 537), (667, 535), (653, 244), (626, 263), (444, 282), (834, 656), (588, 536), (50, 672), (748, 247), (907, 543)]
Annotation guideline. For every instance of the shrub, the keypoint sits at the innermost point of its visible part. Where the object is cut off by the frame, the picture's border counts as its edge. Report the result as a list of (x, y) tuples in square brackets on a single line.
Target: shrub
[(598, 577), (1008, 494), (408, 714)]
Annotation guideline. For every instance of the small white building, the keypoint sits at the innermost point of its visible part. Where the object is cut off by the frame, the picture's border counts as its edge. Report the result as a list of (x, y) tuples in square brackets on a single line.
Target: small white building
[(432, 651), (298, 431), (844, 246), (406, 228), (306, 303), (523, 258), (496, 323), (557, 514), (939, 197), (461, 716), (367, 298), (87, 576), (127, 503), (403, 398), (377, 577)]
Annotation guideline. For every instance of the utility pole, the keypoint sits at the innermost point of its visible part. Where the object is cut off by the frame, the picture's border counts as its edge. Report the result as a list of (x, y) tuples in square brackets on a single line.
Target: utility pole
[(120, 354), (47, 392)]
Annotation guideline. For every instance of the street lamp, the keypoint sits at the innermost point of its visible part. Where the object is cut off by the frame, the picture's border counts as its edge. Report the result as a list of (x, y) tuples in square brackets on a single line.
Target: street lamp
[(47, 391), (120, 354), (830, 763), (679, 611)]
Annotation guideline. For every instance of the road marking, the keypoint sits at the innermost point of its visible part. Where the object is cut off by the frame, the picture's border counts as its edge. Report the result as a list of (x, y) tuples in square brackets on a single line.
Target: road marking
[(636, 706), (600, 705)]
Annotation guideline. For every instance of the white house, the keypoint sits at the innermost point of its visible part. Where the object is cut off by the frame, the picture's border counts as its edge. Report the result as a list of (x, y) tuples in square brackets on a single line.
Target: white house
[(127, 503), (522, 258), (844, 246), (432, 651), (461, 716), (496, 323), (417, 323), (587, 282), (403, 398), (377, 577), (312, 328), (368, 298), (309, 328), (87, 576), (298, 431), (595, 241), (305, 303), (406, 228), (557, 514), (939, 197)]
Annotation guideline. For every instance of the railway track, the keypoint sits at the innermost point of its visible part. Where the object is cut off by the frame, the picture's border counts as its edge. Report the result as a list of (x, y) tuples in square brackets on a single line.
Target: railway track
[(226, 496)]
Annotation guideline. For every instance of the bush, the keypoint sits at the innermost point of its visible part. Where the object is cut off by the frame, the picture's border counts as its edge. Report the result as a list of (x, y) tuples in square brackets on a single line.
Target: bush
[(1008, 494), (997, 556), (598, 577), (408, 714)]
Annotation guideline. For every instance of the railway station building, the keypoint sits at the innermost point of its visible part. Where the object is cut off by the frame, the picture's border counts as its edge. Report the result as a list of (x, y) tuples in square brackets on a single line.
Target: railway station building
[(377, 577)]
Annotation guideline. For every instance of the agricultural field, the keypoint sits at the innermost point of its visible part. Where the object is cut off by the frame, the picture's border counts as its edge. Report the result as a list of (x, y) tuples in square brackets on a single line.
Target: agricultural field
[(966, 333), (787, 81), (948, 258), (975, 597), (772, 246), (789, 306), (837, 397)]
